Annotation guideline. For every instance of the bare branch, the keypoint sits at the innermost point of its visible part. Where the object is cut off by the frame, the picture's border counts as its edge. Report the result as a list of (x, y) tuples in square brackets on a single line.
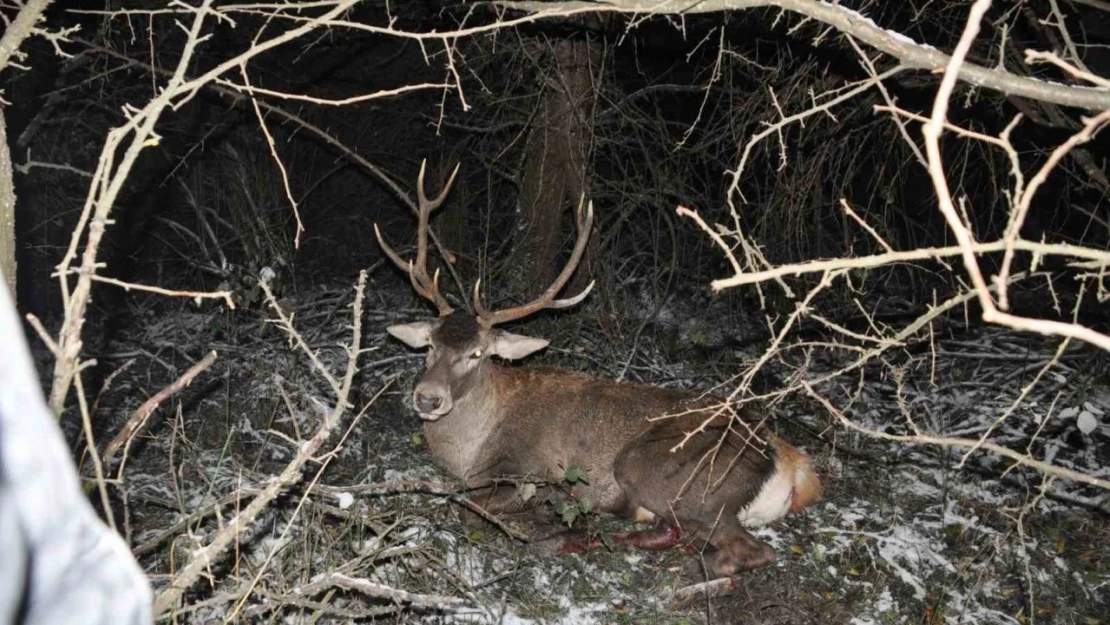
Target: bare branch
[(204, 557), (19, 29), (1098, 257), (963, 443), (140, 415), (850, 22)]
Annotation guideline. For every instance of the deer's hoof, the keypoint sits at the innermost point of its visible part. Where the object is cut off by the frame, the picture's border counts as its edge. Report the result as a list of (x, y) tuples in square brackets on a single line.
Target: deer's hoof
[(730, 561)]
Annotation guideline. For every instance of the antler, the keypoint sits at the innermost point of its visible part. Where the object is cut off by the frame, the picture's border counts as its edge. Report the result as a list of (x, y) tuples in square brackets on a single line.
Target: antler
[(584, 219), (425, 287)]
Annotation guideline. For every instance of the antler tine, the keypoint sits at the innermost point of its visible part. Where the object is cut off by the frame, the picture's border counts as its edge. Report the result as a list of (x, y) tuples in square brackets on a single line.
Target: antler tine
[(584, 219), (430, 292), (441, 301), (479, 309), (426, 287), (421, 194), (393, 256), (425, 208)]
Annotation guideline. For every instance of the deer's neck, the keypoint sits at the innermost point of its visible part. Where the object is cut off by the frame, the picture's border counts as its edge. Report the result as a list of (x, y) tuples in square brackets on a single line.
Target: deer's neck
[(458, 439)]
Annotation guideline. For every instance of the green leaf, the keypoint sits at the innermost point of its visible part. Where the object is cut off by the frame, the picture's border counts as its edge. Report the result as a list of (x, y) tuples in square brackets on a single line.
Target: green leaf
[(575, 475), (570, 513), (586, 504), (570, 475)]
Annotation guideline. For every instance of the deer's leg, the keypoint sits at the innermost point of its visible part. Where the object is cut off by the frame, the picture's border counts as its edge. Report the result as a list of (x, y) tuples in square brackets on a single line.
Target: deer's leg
[(495, 500), (659, 538), (735, 548), (663, 536)]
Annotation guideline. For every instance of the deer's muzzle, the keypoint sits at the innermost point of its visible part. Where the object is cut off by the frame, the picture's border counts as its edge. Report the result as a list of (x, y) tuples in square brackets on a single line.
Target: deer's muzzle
[(431, 402)]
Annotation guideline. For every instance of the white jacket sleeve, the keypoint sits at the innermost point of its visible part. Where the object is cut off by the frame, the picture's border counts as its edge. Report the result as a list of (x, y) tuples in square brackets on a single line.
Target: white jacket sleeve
[(59, 564)]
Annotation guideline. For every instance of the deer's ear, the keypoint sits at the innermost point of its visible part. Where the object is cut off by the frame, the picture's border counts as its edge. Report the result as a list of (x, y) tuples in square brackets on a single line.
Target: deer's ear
[(513, 346), (417, 334)]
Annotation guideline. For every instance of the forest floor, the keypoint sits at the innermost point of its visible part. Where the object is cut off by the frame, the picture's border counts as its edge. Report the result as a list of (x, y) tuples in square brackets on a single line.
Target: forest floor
[(903, 534)]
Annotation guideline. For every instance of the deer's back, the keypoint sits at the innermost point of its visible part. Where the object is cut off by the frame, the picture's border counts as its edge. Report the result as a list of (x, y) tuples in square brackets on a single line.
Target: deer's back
[(553, 419)]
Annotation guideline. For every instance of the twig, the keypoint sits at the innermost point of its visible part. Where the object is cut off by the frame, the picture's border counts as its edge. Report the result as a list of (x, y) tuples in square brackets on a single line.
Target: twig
[(932, 131), (117, 158), (682, 597), (848, 21), (925, 253), (43, 334), (19, 29), (381, 591), (226, 296), (273, 153), (1017, 457), (328, 138), (866, 226), (140, 415), (204, 557)]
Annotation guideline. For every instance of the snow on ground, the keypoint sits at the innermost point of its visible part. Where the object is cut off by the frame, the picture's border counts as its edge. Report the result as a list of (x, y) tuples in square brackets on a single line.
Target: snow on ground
[(905, 533)]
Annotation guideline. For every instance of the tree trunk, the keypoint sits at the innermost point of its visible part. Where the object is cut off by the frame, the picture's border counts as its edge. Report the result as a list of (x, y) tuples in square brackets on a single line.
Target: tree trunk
[(17, 32), (554, 174), (7, 210)]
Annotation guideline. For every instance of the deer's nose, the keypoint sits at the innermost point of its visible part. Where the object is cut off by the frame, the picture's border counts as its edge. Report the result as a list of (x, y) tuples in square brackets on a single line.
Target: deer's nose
[(427, 403)]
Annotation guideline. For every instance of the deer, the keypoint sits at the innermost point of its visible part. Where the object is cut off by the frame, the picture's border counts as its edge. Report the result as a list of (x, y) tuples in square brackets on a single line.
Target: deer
[(484, 421)]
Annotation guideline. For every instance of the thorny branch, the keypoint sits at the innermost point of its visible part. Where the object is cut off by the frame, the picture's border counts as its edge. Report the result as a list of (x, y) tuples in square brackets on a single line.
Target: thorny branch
[(908, 52), (992, 313), (991, 295), (965, 443), (307, 451), (110, 176)]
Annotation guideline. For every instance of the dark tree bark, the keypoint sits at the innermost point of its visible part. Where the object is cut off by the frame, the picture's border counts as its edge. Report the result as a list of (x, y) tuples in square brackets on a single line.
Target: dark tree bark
[(554, 175)]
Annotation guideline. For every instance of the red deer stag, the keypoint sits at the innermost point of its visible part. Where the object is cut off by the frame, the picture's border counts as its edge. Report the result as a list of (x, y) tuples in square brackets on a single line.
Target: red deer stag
[(484, 421)]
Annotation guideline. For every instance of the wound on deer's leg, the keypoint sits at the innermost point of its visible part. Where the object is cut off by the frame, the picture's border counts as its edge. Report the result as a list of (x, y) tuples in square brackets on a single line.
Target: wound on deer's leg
[(659, 538)]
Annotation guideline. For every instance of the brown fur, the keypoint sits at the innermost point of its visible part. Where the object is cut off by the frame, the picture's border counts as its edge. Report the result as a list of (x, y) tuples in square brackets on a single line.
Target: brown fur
[(484, 422), (537, 422), (807, 487), (457, 329)]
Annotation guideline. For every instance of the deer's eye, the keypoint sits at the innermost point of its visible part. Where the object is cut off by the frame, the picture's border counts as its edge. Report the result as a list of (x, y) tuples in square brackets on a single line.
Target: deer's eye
[(477, 354)]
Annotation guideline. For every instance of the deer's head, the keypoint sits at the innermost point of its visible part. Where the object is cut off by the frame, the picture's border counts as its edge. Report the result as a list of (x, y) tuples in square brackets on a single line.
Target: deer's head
[(458, 347), (460, 343)]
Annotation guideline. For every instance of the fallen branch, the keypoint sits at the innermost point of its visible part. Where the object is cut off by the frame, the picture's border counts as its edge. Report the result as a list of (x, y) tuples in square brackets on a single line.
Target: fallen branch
[(682, 597), (206, 556), (140, 416), (381, 591)]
